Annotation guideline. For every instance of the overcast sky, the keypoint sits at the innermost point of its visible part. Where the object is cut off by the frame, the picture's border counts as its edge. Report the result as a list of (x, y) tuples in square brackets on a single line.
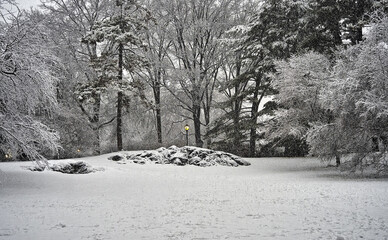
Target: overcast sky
[(26, 4)]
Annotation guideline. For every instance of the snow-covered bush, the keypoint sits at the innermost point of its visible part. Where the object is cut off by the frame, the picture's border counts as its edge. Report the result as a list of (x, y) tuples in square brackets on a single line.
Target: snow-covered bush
[(339, 106), (357, 96)]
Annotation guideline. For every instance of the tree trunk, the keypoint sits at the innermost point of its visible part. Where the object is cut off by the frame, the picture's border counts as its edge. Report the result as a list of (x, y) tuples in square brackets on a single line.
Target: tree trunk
[(96, 149), (206, 104), (337, 160), (159, 124), (197, 125), (119, 126), (252, 141), (207, 124), (236, 109), (96, 122), (156, 89), (254, 110)]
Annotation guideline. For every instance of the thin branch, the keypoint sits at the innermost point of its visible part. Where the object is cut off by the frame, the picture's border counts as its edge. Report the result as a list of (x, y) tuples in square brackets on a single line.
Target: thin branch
[(106, 123)]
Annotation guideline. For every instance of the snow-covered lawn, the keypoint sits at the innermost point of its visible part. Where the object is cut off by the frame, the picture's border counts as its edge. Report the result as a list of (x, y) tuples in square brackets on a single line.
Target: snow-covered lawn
[(275, 198)]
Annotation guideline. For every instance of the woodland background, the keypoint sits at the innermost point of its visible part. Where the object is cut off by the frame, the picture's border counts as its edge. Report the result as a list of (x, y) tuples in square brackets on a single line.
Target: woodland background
[(255, 77)]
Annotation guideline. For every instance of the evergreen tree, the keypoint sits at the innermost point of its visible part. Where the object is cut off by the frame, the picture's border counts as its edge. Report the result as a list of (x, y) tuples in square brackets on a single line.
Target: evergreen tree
[(274, 34), (228, 130), (355, 15), (122, 29), (321, 26)]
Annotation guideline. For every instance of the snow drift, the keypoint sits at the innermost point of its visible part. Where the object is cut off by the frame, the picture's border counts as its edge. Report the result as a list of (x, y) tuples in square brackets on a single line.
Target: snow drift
[(182, 156)]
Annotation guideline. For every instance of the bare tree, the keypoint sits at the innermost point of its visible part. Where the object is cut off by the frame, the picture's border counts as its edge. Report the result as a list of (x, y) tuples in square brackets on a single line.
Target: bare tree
[(194, 31), (156, 53)]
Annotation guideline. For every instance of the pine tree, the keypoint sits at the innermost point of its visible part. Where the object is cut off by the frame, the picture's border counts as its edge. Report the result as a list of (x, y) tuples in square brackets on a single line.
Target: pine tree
[(123, 29), (229, 129), (355, 15), (322, 28), (274, 34)]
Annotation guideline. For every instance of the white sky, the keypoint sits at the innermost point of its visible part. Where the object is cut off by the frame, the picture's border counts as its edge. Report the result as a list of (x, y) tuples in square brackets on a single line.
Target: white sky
[(26, 4)]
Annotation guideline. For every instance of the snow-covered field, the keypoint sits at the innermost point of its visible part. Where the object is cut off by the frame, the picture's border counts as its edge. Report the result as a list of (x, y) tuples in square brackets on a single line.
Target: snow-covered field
[(275, 198)]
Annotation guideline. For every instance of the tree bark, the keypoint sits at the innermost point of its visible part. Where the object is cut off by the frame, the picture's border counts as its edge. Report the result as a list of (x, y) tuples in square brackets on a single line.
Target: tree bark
[(254, 110), (337, 160), (158, 114), (236, 124), (95, 121), (96, 149), (236, 109), (156, 90), (207, 124), (197, 125), (206, 111), (119, 126)]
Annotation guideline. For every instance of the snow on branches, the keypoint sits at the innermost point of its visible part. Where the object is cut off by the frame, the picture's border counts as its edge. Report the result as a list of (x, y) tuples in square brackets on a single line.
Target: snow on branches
[(27, 90)]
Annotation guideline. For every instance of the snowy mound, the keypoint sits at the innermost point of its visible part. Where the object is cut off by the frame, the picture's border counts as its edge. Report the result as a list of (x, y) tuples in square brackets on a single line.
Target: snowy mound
[(183, 156), (79, 167), (72, 167)]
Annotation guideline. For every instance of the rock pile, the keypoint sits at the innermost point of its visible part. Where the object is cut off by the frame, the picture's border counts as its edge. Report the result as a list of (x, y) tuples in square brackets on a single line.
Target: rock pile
[(79, 167), (183, 156), (72, 167)]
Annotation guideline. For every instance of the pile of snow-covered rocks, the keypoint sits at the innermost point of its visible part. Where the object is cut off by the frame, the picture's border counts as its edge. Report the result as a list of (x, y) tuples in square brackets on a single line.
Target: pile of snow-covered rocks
[(79, 167), (72, 167), (182, 156)]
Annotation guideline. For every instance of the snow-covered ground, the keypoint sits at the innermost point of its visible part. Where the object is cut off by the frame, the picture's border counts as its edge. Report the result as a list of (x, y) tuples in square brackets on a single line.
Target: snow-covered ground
[(276, 198)]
